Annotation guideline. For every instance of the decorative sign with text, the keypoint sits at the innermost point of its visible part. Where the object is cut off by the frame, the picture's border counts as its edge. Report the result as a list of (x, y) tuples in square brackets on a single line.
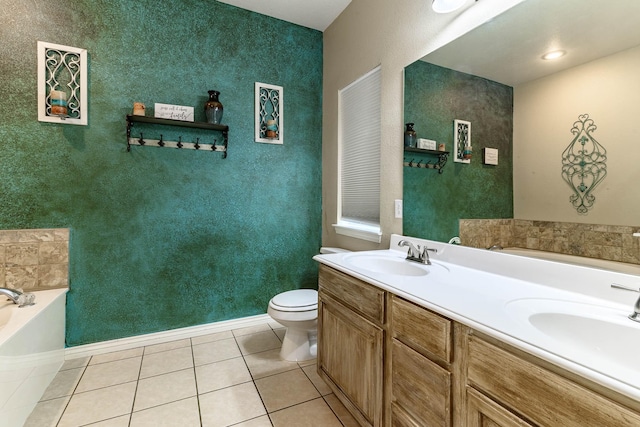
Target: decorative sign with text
[(173, 112)]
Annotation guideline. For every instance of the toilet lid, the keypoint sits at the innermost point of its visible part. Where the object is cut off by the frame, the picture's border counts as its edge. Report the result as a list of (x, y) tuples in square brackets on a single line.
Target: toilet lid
[(299, 298)]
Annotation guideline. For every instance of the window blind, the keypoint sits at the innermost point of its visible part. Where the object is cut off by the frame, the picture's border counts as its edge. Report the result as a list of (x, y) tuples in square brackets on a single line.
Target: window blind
[(359, 112)]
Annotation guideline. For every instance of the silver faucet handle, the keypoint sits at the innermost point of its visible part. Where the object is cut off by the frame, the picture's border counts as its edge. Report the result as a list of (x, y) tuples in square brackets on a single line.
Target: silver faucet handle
[(624, 287), (636, 307)]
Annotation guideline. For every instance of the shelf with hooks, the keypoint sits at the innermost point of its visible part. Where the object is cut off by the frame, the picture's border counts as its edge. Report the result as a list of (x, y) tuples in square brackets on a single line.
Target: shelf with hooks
[(425, 164), (197, 145)]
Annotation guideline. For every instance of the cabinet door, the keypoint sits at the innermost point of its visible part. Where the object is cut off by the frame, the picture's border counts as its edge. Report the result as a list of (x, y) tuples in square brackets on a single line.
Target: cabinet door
[(420, 387), (483, 412), (350, 355)]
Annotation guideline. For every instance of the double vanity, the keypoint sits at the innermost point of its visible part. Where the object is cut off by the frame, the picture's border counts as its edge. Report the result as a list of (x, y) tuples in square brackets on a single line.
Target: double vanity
[(477, 338)]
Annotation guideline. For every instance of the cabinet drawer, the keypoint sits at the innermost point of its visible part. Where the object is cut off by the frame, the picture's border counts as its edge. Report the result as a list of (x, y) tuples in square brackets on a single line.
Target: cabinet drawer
[(425, 331), (483, 412), (537, 394), (420, 387), (356, 294)]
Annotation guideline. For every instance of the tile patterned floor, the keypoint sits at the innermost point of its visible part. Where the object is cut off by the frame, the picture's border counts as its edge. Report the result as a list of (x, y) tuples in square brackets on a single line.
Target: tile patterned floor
[(233, 378)]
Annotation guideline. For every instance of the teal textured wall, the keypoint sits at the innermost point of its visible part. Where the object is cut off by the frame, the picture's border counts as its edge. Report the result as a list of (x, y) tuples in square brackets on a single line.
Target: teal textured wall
[(162, 238), (433, 203)]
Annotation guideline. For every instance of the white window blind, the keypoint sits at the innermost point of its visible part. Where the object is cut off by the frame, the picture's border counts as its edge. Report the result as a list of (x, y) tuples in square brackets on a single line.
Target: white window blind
[(359, 112)]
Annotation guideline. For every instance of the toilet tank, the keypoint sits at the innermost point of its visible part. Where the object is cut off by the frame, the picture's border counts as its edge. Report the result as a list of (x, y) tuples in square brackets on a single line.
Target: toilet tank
[(329, 250)]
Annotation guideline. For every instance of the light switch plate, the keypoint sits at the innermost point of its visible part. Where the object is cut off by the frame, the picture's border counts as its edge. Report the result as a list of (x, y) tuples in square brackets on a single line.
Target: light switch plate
[(398, 208)]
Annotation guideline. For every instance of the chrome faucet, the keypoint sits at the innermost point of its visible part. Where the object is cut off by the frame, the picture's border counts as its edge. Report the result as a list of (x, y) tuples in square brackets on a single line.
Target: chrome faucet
[(636, 307), (18, 297), (415, 253)]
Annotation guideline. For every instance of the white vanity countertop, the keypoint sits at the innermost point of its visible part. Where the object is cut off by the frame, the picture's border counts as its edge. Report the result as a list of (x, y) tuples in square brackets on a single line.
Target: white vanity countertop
[(495, 293)]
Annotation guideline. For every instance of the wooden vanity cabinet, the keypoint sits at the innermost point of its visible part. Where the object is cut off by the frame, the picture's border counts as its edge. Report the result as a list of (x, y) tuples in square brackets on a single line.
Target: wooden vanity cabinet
[(420, 374), (394, 363), (351, 339), (512, 388)]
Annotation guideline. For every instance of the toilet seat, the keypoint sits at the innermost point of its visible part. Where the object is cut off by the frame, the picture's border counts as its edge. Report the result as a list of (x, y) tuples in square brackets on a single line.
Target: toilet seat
[(297, 300)]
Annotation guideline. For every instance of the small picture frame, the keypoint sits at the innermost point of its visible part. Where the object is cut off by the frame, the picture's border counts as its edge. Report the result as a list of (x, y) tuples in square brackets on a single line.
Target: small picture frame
[(427, 144)]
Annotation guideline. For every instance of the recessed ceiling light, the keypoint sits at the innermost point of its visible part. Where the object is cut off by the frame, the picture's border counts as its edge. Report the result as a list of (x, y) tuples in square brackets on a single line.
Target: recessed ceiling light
[(446, 6), (553, 55)]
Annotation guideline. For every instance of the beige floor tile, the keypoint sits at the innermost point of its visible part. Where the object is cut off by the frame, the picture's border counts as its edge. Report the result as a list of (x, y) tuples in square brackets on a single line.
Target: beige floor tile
[(80, 362), (47, 413), (315, 413), (268, 363), (286, 389), (166, 388), (312, 373), (262, 421), (258, 342), (215, 376), (338, 408), (274, 325), (98, 405), (122, 421), (280, 332), (251, 330), (110, 373), (183, 413), (215, 351), (116, 355), (230, 405), (170, 345), (166, 361), (309, 362), (63, 384), (211, 337)]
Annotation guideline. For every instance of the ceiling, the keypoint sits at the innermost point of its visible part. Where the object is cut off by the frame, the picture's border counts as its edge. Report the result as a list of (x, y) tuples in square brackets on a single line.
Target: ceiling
[(316, 14), (508, 49)]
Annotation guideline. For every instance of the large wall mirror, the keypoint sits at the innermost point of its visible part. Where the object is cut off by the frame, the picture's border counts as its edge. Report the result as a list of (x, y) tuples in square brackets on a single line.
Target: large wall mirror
[(525, 107)]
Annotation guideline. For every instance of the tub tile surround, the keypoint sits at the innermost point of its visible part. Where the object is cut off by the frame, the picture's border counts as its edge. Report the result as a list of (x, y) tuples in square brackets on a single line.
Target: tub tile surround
[(34, 260), (232, 377), (609, 242)]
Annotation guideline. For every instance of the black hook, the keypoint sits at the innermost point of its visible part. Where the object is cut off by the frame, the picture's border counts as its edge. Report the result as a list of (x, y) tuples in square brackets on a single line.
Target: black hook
[(411, 163), (213, 147), (161, 142), (141, 140), (179, 145), (419, 163), (197, 144)]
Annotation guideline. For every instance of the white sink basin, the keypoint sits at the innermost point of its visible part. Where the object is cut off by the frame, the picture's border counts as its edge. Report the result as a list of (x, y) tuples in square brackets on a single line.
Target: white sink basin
[(386, 265), (596, 331)]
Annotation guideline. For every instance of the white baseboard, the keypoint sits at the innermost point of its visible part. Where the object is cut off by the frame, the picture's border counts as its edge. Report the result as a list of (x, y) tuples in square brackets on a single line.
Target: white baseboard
[(164, 336)]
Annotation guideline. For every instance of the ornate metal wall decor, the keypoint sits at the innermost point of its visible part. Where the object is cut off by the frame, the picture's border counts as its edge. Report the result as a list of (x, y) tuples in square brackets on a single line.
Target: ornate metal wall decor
[(584, 164), (62, 84), (269, 119)]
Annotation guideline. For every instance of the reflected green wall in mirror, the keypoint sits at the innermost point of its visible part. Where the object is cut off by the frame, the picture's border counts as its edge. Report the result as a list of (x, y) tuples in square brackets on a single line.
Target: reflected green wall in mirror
[(433, 203)]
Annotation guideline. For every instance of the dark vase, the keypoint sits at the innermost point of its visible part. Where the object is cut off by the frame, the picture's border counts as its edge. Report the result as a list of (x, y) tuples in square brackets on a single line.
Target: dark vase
[(410, 139), (213, 108)]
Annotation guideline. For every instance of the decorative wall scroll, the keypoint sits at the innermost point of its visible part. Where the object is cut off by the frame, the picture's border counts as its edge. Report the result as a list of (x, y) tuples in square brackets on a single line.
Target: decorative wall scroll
[(62, 84), (584, 164), (269, 117), (461, 141)]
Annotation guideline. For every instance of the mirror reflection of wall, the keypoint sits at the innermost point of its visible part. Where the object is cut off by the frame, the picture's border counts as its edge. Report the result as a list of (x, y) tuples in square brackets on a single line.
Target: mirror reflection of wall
[(600, 82), (433, 202)]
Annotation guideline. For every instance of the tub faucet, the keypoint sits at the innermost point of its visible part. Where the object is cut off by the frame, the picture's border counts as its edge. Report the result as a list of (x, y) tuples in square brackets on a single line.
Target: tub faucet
[(635, 316), (416, 254), (18, 297)]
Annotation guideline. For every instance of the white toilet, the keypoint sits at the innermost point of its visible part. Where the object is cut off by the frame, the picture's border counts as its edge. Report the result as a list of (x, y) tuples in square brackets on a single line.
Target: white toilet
[(297, 310)]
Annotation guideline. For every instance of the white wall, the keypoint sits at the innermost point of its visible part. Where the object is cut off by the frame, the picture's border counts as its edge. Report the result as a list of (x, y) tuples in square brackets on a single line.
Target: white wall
[(392, 34), (544, 113)]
